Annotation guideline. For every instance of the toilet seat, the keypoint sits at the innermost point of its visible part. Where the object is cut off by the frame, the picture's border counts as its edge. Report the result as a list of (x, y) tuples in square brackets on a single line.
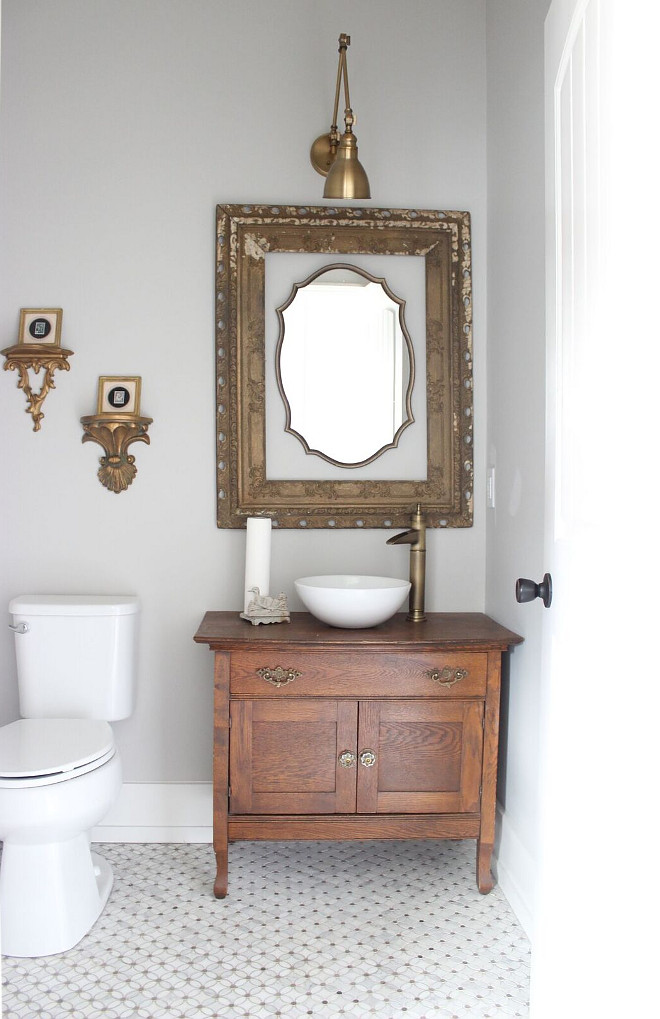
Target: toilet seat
[(42, 751)]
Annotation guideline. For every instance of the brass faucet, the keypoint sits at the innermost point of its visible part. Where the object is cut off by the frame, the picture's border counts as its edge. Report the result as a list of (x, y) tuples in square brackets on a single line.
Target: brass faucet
[(416, 538)]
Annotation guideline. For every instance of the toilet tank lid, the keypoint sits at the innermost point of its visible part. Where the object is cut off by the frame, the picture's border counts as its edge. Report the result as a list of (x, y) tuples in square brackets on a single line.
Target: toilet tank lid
[(75, 604)]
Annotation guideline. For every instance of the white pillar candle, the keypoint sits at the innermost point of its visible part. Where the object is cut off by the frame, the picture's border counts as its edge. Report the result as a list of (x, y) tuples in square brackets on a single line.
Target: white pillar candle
[(257, 557)]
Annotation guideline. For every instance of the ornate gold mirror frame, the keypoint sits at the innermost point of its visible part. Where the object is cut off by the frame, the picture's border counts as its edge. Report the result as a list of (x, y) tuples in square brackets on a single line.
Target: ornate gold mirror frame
[(245, 234)]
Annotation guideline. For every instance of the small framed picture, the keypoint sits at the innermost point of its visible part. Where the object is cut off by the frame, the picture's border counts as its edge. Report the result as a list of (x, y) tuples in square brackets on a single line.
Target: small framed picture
[(119, 395), (40, 325)]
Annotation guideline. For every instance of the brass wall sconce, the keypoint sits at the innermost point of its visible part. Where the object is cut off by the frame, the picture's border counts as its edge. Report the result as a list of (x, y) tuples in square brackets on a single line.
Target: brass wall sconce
[(116, 424), (38, 348), (335, 157)]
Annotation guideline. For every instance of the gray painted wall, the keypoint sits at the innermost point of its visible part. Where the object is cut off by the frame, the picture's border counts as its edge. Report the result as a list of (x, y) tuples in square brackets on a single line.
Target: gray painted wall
[(122, 125), (516, 407)]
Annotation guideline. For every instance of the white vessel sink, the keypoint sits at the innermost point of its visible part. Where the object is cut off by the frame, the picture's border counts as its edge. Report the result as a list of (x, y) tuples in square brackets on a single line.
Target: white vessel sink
[(352, 601)]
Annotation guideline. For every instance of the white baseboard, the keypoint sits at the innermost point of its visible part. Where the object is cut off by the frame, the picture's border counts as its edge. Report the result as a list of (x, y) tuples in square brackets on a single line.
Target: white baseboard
[(513, 858), (159, 812)]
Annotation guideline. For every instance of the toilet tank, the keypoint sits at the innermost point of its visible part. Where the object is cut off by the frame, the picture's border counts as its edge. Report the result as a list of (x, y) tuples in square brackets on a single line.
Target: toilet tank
[(78, 655)]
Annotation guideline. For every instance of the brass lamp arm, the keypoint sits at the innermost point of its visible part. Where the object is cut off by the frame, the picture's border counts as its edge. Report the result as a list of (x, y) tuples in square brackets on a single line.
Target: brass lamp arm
[(325, 147), (344, 41)]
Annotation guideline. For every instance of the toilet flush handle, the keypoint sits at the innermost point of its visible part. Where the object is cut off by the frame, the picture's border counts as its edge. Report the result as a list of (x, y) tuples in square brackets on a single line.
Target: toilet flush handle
[(19, 627)]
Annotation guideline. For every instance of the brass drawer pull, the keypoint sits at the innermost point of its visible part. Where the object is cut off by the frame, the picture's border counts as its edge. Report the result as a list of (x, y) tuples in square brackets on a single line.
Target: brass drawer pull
[(347, 759), (279, 676), (447, 676), (367, 758)]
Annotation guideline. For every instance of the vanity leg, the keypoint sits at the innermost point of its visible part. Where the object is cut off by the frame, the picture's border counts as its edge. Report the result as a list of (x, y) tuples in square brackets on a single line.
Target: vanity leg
[(221, 772), (486, 840), (485, 880), (221, 873)]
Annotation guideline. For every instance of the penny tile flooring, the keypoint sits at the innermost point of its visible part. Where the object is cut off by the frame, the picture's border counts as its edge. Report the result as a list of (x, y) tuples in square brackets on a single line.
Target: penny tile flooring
[(374, 930)]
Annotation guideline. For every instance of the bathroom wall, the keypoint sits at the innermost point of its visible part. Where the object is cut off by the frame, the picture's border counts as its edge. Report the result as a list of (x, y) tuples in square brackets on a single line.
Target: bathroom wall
[(516, 411), (122, 124)]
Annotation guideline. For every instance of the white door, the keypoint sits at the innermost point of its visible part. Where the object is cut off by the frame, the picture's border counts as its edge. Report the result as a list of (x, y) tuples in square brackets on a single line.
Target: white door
[(593, 951)]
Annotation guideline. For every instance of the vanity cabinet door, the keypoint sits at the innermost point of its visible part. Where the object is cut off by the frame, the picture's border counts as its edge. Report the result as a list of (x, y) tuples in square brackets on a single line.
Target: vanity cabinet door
[(419, 756), (293, 756)]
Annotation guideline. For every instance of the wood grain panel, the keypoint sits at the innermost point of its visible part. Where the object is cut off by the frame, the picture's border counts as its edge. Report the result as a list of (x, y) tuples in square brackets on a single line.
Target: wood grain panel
[(356, 826), (359, 674), (284, 756), (368, 739), (294, 757), (220, 770), (486, 839), (428, 756), (440, 632), (423, 756)]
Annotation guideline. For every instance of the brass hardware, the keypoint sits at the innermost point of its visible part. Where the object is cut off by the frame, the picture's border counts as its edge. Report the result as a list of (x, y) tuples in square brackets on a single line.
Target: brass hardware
[(367, 758), (347, 759), (447, 676), (115, 434), (336, 157), (416, 538), (278, 676), (36, 356)]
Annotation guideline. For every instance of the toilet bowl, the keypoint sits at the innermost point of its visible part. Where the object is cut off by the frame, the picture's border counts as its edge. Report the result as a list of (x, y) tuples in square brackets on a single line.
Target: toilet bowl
[(60, 772), (58, 778)]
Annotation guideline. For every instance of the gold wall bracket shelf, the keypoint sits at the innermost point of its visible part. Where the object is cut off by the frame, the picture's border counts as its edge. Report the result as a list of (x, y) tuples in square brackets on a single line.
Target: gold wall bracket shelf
[(115, 434), (38, 357)]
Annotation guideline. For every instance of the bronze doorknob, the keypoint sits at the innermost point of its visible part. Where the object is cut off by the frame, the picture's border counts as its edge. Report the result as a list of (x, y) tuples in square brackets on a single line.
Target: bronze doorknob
[(527, 590)]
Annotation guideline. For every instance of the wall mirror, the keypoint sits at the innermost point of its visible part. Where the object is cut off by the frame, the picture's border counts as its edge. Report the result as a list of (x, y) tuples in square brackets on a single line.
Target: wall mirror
[(319, 478), (345, 365)]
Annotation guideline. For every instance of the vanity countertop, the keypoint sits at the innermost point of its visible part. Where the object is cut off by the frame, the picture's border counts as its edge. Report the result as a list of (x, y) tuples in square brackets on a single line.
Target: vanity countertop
[(440, 630)]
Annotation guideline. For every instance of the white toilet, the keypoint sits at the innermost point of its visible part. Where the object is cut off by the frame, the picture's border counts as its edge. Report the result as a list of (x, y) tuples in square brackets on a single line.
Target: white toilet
[(59, 769)]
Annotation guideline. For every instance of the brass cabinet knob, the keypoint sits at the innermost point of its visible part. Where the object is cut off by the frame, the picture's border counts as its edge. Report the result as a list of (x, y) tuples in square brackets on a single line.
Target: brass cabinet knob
[(367, 758), (347, 759)]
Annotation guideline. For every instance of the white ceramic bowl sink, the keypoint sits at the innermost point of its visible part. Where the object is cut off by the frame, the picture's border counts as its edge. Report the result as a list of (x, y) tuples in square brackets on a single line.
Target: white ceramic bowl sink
[(351, 601)]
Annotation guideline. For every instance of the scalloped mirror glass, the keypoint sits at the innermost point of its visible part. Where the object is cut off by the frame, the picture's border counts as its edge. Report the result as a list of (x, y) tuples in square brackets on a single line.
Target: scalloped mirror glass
[(334, 469), (345, 365)]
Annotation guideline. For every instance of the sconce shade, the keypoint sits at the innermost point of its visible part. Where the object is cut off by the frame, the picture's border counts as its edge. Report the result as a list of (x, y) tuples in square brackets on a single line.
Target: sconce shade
[(346, 177)]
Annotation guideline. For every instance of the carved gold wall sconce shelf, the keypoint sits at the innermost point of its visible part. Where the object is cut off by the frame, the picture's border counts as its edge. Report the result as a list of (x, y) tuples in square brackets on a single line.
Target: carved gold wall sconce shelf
[(22, 357), (117, 470), (115, 430), (39, 349)]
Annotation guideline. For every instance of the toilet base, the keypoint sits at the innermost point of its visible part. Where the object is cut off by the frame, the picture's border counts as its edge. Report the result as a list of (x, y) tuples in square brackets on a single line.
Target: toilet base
[(50, 895)]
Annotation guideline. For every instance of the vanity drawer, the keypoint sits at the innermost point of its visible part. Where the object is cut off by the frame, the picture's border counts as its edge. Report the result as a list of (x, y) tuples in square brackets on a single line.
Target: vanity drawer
[(358, 674)]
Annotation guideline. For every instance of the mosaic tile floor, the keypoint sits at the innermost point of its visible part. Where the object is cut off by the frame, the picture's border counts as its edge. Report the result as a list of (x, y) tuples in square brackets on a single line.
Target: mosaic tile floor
[(366, 929)]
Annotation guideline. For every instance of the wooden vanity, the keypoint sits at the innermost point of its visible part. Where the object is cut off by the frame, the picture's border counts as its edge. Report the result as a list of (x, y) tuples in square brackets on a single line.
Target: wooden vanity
[(387, 733)]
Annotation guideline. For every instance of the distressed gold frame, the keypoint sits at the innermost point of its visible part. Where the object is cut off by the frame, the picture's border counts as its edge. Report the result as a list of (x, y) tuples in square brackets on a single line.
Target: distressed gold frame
[(245, 233)]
